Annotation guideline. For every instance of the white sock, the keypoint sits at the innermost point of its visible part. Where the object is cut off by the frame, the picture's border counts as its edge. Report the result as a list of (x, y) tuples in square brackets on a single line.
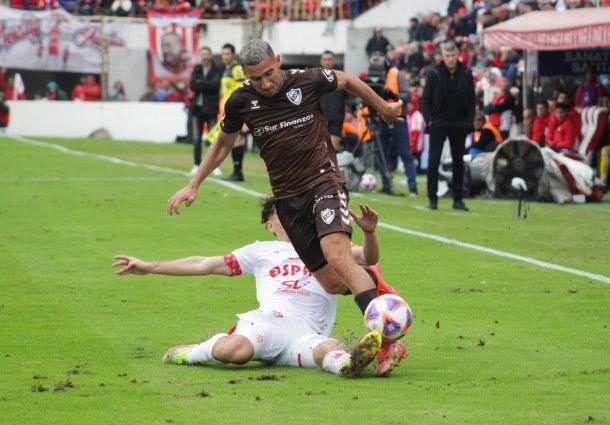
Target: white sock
[(334, 361), (202, 353)]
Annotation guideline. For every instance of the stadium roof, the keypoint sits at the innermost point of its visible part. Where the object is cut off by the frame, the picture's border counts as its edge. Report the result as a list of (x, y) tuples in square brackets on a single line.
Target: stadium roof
[(552, 30)]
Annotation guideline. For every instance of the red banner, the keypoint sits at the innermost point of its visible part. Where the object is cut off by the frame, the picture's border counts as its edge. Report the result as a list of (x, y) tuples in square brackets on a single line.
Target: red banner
[(173, 44)]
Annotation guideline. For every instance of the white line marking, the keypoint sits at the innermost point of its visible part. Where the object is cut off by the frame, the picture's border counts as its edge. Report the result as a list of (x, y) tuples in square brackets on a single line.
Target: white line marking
[(232, 186), (82, 179)]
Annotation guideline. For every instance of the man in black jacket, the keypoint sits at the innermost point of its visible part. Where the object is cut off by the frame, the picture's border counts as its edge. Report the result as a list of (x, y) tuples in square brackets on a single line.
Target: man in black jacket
[(205, 83), (333, 103), (448, 105), (377, 43)]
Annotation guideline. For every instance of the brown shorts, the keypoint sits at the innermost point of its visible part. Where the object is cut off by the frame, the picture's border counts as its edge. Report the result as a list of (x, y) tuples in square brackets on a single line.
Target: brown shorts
[(310, 216)]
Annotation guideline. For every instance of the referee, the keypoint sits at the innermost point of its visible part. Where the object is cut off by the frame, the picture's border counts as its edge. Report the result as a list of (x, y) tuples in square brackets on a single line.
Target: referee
[(333, 103)]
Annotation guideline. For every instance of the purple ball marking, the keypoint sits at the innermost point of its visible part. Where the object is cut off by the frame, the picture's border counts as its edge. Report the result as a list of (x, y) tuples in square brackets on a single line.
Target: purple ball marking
[(393, 303), (373, 312), (390, 327)]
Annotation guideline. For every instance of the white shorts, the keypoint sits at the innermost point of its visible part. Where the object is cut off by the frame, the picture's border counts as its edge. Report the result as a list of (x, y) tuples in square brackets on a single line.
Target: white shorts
[(279, 339)]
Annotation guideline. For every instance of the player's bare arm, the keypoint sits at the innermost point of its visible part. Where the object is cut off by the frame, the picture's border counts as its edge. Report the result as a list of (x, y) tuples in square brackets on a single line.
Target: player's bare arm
[(390, 112), (213, 158), (366, 254), (190, 266)]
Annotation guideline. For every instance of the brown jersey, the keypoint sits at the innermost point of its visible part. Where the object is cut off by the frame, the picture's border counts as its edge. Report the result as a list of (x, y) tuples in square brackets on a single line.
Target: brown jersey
[(289, 129)]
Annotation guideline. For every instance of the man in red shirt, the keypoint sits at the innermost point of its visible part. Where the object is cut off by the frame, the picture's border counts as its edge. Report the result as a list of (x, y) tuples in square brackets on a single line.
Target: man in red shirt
[(92, 89), (538, 132), (564, 137), (78, 92)]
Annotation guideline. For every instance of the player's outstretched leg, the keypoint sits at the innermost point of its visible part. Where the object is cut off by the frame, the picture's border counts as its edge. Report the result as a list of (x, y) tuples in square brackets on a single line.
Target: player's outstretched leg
[(193, 354), (362, 355)]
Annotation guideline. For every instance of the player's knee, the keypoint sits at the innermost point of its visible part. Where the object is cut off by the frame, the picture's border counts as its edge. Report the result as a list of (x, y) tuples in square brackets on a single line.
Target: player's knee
[(235, 349)]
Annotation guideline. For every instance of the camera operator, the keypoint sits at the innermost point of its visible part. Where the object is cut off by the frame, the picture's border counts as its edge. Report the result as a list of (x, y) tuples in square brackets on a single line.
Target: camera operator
[(395, 138), (448, 105), (333, 103)]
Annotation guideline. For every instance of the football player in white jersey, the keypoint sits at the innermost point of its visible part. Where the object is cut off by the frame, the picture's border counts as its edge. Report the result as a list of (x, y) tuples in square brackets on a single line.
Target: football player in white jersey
[(295, 316)]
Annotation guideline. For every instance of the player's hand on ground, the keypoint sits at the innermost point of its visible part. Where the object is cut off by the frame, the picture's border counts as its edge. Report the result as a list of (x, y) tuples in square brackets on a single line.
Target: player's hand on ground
[(393, 113), (186, 195), (368, 220), (130, 265)]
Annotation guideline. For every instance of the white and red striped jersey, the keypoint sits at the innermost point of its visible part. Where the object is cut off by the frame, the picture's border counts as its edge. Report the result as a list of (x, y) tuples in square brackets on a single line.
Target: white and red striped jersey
[(417, 128)]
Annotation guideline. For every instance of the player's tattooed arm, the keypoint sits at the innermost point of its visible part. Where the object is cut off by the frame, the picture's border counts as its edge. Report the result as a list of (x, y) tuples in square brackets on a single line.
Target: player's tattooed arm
[(366, 254), (190, 266), (390, 112), (213, 158)]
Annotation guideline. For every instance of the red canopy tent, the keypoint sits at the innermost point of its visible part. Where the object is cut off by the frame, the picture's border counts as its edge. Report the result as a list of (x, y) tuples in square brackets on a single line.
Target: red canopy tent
[(552, 30)]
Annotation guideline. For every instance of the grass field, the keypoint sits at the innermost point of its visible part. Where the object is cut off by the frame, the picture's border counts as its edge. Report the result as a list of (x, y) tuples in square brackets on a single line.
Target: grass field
[(494, 340)]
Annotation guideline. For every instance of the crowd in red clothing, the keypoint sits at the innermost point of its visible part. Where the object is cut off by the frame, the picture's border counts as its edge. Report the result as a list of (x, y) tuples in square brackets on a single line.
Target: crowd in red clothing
[(87, 90)]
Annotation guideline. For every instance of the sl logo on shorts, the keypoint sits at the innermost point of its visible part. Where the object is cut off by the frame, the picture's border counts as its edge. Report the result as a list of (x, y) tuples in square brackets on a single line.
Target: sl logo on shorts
[(327, 215)]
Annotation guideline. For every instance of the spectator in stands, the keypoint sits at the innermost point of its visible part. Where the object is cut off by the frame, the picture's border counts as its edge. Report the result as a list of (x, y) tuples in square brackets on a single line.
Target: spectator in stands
[(485, 137), (454, 6), (501, 109), (91, 90), (205, 84), (448, 105), (539, 126), (417, 127), (377, 43), (415, 58), (564, 136), (118, 92), (87, 8), (333, 103), (161, 91), (54, 92), (7, 84), (175, 93), (413, 30), (4, 111), (78, 92), (149, 94), (573, 115), (589, 92), (121, 7)]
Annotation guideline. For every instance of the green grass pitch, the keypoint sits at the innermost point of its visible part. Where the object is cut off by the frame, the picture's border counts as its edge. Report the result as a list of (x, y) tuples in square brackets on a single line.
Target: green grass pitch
[(494, 340)]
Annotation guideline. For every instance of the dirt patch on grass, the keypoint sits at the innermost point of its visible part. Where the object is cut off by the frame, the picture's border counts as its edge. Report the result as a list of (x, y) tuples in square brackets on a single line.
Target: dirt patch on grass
[(64, 386)]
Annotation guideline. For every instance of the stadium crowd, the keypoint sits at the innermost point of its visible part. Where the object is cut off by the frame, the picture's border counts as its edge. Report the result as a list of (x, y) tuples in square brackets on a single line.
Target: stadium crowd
[(550, 114), (276, 10)]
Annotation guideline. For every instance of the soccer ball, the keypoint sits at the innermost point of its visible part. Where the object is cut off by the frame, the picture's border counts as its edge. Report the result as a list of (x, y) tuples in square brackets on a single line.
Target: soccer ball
[(390, 315), (368, 182)]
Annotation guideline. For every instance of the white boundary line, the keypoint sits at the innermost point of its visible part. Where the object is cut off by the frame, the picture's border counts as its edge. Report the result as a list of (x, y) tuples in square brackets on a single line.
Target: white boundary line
[(398, 229)]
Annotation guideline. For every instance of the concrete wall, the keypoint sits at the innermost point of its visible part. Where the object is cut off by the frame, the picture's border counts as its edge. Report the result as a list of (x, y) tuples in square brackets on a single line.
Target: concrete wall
[(396, 13), (307, 37), (140, 121)]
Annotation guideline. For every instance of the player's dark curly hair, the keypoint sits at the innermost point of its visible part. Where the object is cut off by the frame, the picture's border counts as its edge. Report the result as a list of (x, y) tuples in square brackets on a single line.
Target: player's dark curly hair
[(267, 208)]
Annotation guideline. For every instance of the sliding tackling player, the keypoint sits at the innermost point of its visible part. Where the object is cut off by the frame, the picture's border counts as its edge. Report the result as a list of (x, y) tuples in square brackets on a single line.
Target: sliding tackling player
[(295, 316)]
